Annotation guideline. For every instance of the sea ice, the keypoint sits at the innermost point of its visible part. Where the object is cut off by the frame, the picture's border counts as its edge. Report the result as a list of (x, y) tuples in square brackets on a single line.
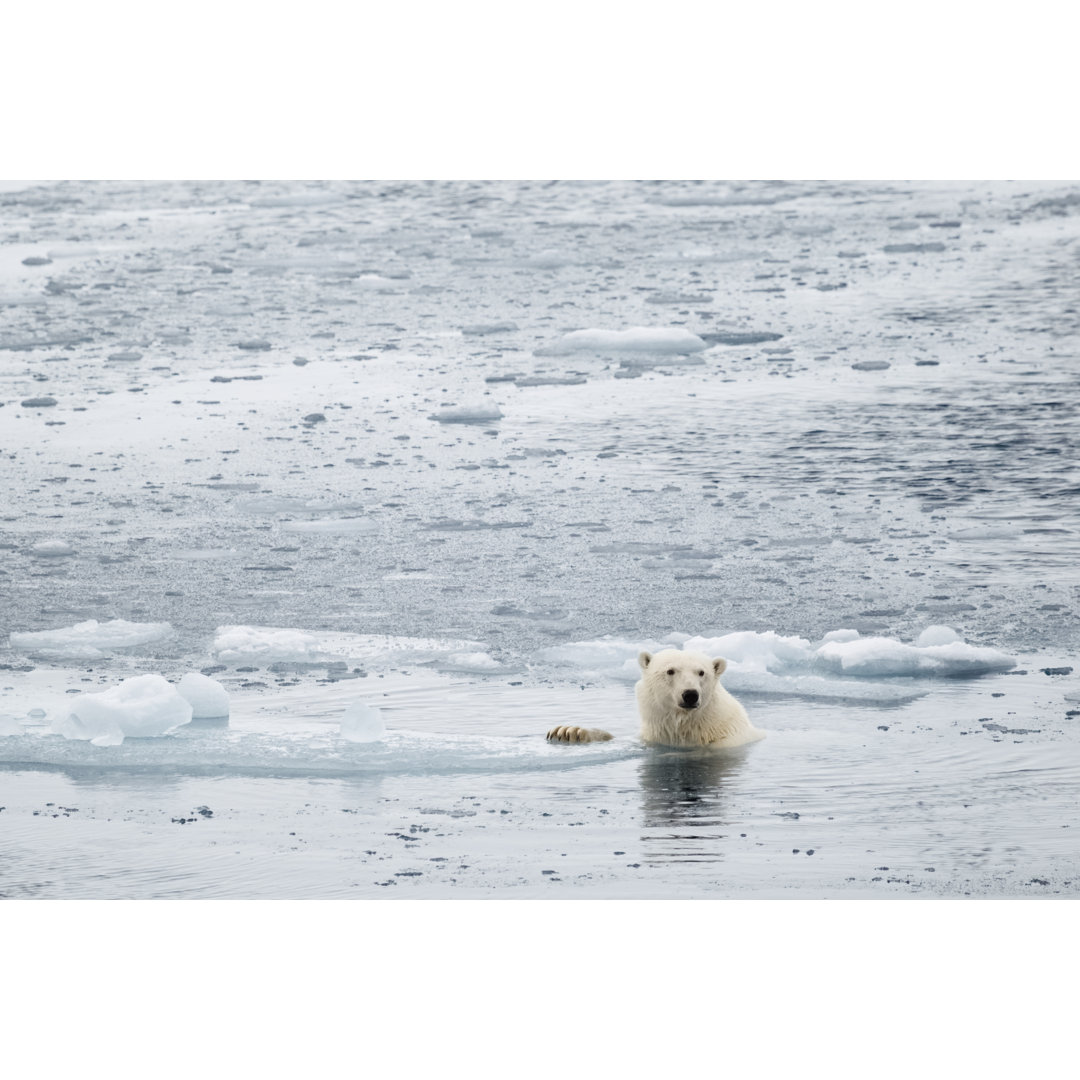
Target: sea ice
[(397, 753), (342, 526), (89, 640), (207, 697), (142, 707), (52, 549), (480, 412), (362, 723), (477, 663), (9, 725), (771, 663), (268, 644), (483, 329), (636, 339)]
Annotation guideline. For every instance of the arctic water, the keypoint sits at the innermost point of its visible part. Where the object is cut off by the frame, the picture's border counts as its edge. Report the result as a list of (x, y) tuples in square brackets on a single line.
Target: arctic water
[(457, 452)]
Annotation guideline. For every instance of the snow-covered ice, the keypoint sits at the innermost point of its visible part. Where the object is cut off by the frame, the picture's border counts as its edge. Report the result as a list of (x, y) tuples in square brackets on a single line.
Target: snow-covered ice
[(89, 640)]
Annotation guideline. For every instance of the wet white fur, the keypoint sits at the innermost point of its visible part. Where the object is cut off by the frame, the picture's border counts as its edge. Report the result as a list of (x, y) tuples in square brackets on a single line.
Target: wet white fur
[(719, 720)]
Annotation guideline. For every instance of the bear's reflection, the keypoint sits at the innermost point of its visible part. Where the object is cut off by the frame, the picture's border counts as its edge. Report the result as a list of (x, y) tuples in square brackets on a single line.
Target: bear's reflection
[(683, 801)]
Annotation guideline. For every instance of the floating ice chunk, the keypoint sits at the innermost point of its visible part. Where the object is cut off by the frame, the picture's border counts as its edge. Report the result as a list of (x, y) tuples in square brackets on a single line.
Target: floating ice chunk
[(362, 723), (817, 688), (52, 549), (207, 697), (266, 643), (759, 652), (142, 707), (90, 640), (341, 526), (878, 657), (477, 663), (777, 664), (636, 339), (481, 412)]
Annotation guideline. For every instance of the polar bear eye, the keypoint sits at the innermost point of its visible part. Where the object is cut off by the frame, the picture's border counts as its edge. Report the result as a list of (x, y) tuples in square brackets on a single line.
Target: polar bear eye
[(671, 671), (702, 674)]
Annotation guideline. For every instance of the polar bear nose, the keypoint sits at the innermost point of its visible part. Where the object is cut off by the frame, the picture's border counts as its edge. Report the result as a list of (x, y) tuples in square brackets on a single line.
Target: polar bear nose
[(690, 698)]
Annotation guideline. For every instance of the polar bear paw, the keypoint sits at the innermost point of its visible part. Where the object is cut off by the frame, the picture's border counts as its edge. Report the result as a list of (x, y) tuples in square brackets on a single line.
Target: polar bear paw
[(570, 733)]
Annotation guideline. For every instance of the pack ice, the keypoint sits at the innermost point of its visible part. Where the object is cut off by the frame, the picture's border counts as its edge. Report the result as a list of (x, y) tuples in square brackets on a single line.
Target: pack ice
[(141, 707), (89, 640), (772, 663)]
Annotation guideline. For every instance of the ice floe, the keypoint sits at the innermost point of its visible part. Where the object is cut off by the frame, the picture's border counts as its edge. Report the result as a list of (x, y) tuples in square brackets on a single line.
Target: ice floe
[(52, 549), (480, 412), (142, 707), (89, 640), (771, 663), (637, 339), (207, 697), (202, 752)]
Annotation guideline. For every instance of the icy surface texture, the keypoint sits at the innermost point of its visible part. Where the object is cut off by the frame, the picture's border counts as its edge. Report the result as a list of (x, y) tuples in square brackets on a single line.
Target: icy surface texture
[(207, 697), (268, 644), (394, 753), (9, 725), (142, 707), (362, 724), (89, 640)]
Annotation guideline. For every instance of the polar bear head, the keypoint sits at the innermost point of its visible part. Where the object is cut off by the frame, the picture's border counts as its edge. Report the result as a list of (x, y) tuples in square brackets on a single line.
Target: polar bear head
[(674, 679)]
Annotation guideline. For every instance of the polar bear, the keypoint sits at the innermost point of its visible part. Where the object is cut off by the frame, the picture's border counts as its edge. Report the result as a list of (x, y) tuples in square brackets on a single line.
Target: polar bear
[(681, 703)]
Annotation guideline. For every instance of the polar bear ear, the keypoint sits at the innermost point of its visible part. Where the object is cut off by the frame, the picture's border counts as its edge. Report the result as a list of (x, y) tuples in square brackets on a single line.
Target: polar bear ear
[(719, 665), (643, 659)]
